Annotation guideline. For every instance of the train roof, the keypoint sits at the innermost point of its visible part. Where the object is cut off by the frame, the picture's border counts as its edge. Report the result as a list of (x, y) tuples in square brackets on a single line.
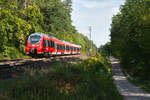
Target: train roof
[(42, 34), (71, 43)]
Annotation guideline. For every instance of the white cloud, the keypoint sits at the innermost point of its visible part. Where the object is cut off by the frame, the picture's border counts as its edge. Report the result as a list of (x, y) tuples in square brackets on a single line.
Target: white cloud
[(115, 10), (93, 4)]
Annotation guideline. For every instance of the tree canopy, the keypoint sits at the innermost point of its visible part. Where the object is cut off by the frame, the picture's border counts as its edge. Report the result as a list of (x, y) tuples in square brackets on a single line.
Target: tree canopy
[(20, 18), (130, 36)]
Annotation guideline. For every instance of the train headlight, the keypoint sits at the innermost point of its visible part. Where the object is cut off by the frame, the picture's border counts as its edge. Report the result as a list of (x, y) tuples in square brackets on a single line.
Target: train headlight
[(38, 45)]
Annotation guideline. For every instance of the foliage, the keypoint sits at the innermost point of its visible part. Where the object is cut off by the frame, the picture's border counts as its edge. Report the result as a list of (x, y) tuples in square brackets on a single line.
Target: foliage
[(130, 37), (87, 80), (106, 49), (51, 17), (145, 85), (11, 53)]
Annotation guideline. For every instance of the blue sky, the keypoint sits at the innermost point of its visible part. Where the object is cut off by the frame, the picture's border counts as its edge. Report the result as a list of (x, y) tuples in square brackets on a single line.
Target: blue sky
[(95, 13)]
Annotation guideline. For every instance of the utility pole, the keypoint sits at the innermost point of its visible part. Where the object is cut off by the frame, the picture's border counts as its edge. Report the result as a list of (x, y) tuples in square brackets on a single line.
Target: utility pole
[(90, 30), (90, 34)]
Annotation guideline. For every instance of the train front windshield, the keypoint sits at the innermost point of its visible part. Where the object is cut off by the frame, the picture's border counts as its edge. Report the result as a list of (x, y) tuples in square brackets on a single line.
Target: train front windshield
[(34, 39)]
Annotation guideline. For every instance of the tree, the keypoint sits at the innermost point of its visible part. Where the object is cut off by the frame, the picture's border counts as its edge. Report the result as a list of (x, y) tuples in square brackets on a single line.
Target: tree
[(130, 36)]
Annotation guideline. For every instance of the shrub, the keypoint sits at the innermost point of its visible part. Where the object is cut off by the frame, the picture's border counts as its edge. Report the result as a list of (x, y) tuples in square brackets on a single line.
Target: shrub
[(87, 80)]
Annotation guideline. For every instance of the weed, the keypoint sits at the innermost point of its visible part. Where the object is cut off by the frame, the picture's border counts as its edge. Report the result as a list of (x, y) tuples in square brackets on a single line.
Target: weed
[(87, 80)]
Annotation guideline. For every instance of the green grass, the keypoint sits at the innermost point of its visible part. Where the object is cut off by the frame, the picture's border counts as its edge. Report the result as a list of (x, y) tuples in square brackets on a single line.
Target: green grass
[(87, 80)]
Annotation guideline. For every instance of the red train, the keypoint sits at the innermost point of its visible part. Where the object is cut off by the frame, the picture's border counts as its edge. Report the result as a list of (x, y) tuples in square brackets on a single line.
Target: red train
[(42, 44)]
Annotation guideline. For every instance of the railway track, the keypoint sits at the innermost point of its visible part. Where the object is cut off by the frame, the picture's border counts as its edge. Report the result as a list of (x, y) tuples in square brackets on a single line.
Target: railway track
[(9, 67)]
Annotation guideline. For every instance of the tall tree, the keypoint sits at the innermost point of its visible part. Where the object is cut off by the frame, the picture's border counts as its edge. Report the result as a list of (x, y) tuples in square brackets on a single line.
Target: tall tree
[(130, 36)]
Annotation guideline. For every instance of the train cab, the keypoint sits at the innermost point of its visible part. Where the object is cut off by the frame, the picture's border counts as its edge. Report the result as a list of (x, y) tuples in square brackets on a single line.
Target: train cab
[(34, 44)]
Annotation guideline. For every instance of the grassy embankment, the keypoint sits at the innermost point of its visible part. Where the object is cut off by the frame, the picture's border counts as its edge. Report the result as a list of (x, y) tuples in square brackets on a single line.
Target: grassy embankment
[(86, 80), (143, 84), (12, 53)]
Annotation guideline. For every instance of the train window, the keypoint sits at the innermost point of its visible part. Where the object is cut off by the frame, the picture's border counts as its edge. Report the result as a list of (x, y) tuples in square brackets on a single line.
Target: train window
[(45, 43), (63, 47), (59, 47), (34, 39), (55, 44), (69, 48), (49, 43), (52, 44)]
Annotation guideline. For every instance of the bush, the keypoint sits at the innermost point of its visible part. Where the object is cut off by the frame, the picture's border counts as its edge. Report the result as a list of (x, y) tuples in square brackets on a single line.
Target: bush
[(88, 80), (11, 53)]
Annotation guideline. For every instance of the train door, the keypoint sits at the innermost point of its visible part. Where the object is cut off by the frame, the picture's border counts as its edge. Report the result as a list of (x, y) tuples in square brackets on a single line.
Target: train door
[(45, 45)]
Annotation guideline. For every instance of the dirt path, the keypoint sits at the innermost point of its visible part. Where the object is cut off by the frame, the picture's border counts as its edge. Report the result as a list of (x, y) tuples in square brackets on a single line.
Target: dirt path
[(128, 90)]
